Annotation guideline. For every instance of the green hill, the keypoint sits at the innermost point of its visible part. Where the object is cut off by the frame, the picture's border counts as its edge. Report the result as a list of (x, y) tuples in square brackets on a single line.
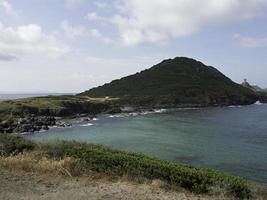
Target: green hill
[(176, 82)]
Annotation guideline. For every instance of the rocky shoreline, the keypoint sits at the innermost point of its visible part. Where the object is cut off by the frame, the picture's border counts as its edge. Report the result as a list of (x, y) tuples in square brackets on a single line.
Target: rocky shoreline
[(33, 124), (27, 124)]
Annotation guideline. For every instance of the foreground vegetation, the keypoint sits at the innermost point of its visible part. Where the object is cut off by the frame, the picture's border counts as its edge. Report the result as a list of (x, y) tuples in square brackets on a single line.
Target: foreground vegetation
[(74, 158)]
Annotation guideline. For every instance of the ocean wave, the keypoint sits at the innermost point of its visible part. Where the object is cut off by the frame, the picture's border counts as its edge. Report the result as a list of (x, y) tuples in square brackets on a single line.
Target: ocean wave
[(160, 110), (121, 115), (258, 103), (59, 127), (88, 124), (238, 106), (134, 114)]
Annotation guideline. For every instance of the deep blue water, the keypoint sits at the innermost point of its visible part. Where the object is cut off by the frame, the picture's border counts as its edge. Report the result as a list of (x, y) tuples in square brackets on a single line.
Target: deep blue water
[(232, 139)]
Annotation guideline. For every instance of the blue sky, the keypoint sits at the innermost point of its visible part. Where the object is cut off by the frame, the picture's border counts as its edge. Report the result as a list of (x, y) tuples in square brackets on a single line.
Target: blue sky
[(73, 45)]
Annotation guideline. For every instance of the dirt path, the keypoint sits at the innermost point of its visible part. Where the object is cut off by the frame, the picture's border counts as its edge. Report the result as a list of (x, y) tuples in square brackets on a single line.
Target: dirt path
[(27, 186)]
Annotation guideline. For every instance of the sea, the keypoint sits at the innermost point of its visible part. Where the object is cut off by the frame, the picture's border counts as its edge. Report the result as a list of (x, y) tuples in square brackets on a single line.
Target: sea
[(231, 139)]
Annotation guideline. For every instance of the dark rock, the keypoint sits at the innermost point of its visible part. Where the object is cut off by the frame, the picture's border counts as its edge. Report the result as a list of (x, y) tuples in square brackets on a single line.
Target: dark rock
[(45, 127), (89, 118), (63, 124), (27, 124), (114, 110)]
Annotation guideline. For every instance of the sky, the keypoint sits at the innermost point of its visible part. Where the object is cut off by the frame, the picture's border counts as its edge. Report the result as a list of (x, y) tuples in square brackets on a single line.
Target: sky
[(74, 45)]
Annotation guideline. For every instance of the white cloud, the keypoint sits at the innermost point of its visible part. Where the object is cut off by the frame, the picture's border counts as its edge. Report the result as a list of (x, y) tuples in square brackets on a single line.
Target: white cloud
[(144, 21), (72, 31), (77, 31), (72, 3), (30, 40), (95, 33), (101, 5), (7, 57), (75, 73), (7, 8), (251, 42), (93, 16)]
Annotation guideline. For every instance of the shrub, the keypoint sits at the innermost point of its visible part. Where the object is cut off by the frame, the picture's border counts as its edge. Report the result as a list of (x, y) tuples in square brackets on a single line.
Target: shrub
[(98, 158), (14, 145), (112, 162)]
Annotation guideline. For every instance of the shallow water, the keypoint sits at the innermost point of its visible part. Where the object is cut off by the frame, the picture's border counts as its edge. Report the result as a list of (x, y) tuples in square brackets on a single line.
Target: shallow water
[(232, 139)]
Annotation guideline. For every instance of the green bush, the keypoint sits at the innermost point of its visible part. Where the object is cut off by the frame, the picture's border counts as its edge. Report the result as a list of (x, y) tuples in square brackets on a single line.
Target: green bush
[(103, 159), (11, 145), (112, 162)]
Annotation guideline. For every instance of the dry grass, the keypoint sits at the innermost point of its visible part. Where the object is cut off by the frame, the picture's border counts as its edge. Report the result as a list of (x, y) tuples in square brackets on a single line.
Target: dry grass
[(35, 162), (30, 162)]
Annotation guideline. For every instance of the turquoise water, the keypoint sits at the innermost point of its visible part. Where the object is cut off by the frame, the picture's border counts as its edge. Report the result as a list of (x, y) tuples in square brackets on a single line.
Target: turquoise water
[(232, 139)]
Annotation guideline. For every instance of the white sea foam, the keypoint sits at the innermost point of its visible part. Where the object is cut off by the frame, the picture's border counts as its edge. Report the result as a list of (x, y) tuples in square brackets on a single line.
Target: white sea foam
[(88, 124), (120, 115), (146, 112), (24, 133), (134, 114), (258, 103), (160, 110), (238, 106), (60, 127)]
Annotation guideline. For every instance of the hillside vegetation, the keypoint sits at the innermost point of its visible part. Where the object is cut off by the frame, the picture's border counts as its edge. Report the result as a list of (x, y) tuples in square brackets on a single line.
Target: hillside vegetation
[(263, 97), (174, 82), (52, 106)]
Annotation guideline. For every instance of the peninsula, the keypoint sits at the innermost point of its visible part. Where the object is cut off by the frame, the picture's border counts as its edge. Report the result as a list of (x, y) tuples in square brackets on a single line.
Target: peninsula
[(178, 82)]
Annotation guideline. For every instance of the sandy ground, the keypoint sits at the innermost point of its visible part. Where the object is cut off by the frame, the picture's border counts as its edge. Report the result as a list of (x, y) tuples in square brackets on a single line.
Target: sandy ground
[(27, 186)]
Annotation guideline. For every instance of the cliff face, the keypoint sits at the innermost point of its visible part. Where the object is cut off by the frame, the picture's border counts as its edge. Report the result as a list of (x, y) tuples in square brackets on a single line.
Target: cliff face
[(174, 82), (261, 93)]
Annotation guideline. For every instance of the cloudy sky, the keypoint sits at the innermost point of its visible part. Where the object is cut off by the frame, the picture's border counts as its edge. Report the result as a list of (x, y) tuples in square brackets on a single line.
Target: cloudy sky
[(73, 45)]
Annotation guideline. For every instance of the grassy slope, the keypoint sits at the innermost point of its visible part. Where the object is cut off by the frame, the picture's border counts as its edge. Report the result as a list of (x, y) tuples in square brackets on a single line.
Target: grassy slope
[(177, 81), (101, 159), (52, 106)]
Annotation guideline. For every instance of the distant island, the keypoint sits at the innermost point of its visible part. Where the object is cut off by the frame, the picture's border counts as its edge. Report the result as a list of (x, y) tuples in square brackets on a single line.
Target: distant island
[(178, 82)]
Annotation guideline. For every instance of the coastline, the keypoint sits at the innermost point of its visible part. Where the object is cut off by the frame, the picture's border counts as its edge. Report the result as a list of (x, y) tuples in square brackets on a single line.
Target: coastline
[(39, 123), (89, 121)]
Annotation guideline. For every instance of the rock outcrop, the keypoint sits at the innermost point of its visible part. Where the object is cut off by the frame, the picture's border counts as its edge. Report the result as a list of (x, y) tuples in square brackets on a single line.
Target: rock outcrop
[(27, 124)]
